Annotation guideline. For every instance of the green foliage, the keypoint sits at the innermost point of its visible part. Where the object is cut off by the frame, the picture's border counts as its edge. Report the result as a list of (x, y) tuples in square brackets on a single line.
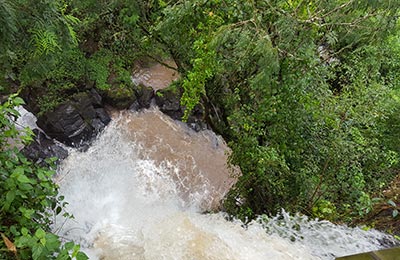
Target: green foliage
[(302, 92), (395, 208), (306, 93), (64, 75), (35, 30), (45, 42), (98, 69), (194, 83), (8, 24), (28, 198), (118, 26), (324, 209)]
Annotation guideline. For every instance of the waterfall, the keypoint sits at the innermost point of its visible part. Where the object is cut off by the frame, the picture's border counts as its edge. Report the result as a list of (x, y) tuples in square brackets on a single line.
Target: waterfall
[(139, 192)]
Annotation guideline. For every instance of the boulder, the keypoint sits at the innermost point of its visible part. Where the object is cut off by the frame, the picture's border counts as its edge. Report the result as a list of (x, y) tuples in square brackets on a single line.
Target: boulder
[(43, 148), (168, 100), (144, 95), (75, 121), (120, 96)]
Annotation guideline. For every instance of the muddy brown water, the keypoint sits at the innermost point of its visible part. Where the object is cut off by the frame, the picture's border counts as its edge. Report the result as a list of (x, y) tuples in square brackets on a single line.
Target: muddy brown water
[(154, 74), (197, 161), (139, 190)]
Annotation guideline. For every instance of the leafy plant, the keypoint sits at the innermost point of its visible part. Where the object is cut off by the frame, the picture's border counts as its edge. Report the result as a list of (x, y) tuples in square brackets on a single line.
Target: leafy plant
[(299, 92), (395, 208), (28, 198)]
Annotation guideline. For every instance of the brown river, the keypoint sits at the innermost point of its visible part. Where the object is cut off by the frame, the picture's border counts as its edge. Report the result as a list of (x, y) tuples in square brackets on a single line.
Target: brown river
[(140, 192)]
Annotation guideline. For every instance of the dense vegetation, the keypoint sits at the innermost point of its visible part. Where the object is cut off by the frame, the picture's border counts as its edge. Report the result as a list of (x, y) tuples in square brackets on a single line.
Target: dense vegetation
[(305, 92), (28, 198)]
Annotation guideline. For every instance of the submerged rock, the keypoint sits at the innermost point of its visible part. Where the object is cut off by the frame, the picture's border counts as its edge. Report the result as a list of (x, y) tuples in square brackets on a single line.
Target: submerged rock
[(75, 121)]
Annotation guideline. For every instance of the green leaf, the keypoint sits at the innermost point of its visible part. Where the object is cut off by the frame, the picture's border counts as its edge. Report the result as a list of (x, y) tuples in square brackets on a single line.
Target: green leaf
[(24, 231), (14, 231), (27, 213), (76, 250), (69, 245), (10, 196), (52, 242), (18, 171), (25, 187), (395, 213), (81, 256), (392, 203), (63, 256), (18, 101), (37, 251), (23, 179)]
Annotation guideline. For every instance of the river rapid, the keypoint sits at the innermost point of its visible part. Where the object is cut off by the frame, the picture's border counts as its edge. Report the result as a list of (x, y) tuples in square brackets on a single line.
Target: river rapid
[(140, 192), (142, 188)]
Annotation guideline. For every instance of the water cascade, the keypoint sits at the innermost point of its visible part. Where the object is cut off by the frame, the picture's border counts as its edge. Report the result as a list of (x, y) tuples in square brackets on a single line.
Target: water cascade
[(140, 190)]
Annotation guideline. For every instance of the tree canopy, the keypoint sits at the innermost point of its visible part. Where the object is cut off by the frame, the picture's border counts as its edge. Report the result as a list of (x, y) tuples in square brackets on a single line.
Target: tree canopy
[(301, 89)]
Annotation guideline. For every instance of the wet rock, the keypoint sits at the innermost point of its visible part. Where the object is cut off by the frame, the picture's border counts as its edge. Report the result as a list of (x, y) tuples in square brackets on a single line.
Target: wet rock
[(43, 148), (96, 98), (120, 96), (135, 106), (388, 242), (144, 95), (196, 120), (168, 100), (75, 121), (102, 115)]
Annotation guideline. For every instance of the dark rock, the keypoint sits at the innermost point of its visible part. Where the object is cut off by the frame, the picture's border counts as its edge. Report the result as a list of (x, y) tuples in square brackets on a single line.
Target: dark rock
[(103, 115), (97, 124), (196, 120), (96, 98), (168, 100), (120, 96), (85, 105), (31, 96), (388, 242), (66, 124), (75, 121), (43, 148), (135, 106), (144, 95)]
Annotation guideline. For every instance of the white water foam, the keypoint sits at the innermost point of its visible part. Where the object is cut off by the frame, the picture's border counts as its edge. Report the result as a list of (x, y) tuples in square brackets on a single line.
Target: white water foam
[(130, 206)]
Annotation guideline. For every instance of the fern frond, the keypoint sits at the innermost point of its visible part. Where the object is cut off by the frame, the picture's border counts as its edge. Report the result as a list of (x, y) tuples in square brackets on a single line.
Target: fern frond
[(72, 19), (45, 41), (69, 21)]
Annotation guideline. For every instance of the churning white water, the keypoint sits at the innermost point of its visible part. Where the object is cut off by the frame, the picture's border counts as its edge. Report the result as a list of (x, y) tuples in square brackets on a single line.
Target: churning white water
[(129, 202)]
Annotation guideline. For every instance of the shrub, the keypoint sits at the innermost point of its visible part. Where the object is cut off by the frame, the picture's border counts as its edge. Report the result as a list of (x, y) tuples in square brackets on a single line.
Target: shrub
[(28, 198)]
